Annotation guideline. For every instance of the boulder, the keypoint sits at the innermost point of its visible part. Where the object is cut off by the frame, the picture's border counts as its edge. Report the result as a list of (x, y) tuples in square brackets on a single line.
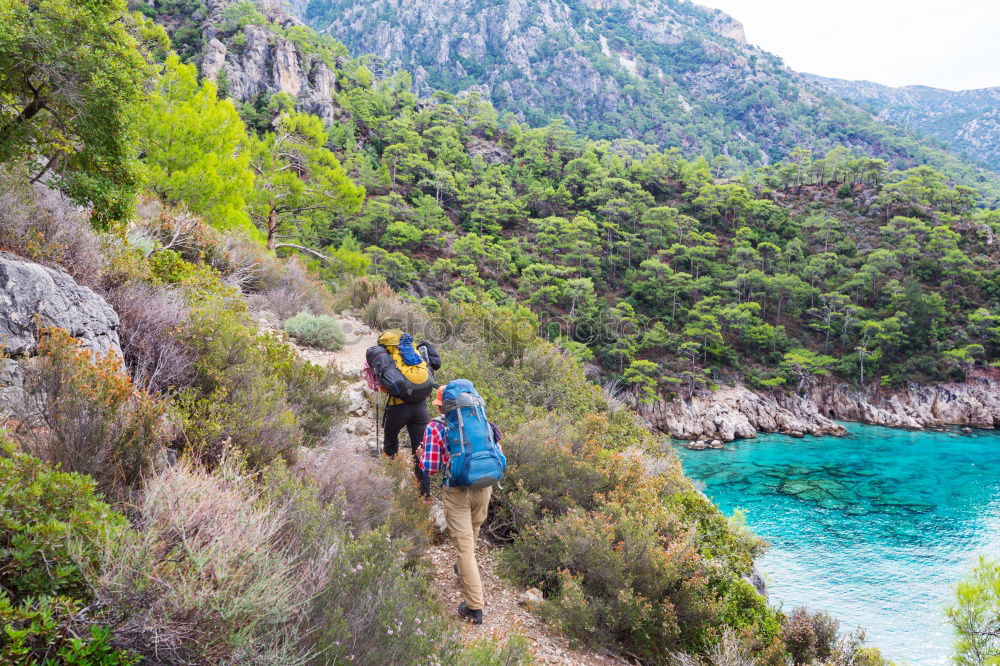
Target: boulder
[(29, 290), (756, 578), (356, 403), (438, 520), (531, 597)]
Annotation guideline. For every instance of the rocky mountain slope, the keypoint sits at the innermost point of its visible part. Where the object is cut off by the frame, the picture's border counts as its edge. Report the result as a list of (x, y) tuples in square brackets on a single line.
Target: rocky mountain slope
[(966, 121), (666, 72)]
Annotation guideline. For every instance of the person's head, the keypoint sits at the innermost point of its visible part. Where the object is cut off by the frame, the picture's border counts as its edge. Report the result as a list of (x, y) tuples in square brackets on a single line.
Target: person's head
[(439, 399)]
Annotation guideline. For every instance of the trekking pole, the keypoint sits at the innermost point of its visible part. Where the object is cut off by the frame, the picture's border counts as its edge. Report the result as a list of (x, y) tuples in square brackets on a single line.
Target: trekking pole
[(377, 420)]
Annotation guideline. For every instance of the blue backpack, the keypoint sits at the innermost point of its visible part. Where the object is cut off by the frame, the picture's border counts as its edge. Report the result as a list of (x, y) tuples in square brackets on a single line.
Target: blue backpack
[(475, 458)]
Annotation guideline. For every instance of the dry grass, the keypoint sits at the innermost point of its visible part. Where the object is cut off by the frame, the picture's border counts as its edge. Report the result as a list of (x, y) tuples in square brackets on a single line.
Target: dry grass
[(42, 225), (150, 317), (206, 578)]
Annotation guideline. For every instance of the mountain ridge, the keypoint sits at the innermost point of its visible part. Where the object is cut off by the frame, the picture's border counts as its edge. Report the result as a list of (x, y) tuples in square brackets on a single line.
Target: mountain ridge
[(665, 72), (966, 121)]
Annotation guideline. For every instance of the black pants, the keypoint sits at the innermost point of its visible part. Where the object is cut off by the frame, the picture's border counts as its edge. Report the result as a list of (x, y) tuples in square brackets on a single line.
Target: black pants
[(415, 418)]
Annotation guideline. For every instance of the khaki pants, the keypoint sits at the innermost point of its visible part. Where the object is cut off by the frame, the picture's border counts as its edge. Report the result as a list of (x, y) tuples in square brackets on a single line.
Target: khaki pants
[(465, 512)]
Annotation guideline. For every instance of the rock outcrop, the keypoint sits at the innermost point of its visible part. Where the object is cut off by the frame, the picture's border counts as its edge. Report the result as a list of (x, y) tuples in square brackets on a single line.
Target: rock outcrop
[(29, 290), (974, 403), (736, 412), (265, 63)]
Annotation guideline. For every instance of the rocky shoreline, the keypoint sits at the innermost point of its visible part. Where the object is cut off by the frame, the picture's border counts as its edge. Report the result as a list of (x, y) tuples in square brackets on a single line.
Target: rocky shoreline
[(737, 412)]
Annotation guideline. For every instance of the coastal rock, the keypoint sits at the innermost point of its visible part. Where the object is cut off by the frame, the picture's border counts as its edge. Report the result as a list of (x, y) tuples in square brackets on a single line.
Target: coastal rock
[(736, 412), (756, 578), (974, 403), (28, 290)]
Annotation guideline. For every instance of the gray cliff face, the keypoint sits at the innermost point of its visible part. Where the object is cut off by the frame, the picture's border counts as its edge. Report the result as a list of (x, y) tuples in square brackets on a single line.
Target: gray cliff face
[(265, 64), (736, 412), (28, 290), (966, 120)]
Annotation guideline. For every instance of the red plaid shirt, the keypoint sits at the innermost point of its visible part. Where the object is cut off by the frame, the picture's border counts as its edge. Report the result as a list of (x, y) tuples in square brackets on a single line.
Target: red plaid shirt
[(436, 450)]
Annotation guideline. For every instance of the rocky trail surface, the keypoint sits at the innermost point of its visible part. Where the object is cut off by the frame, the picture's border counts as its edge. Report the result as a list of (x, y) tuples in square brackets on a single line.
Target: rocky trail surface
[(507, 609)]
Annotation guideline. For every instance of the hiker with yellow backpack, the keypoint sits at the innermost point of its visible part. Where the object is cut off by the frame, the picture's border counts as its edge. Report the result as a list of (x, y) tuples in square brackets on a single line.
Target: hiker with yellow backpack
[(407, 376)]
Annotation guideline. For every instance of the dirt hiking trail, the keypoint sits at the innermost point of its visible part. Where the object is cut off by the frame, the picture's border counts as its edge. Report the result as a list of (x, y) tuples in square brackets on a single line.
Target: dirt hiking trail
[(504, 613)]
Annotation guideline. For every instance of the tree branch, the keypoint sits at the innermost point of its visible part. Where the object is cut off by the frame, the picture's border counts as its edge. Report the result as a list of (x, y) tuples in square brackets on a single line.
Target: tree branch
[(328, 259)]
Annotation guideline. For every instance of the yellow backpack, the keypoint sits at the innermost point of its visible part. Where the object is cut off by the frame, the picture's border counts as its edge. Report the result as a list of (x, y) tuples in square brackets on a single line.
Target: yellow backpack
[(407, 383)]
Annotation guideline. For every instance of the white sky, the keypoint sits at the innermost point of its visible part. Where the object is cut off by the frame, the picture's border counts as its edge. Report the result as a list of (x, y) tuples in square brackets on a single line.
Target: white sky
[(953, 44)]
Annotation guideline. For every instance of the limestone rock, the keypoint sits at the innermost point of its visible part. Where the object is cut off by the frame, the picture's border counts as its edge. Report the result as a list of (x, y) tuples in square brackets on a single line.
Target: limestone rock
[(437, 517), (28, 289), (266, 64), (974, 403), (756, 578), (356, 403), (736, 412), (531, 597), (213, 59)]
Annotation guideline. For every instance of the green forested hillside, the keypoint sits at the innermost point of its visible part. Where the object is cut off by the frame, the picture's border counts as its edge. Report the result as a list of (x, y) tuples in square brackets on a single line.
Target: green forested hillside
[(669, 73), (671, 273)]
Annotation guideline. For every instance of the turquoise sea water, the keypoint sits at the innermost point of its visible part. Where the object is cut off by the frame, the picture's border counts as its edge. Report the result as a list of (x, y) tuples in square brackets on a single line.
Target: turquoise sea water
[(875, 528)]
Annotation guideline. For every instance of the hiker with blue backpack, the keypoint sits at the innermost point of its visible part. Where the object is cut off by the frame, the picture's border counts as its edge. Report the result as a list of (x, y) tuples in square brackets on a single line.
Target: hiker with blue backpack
[(466, 445)]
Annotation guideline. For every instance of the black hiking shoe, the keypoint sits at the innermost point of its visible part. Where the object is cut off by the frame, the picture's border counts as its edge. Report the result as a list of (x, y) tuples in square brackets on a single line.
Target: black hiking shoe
[(473, 616)]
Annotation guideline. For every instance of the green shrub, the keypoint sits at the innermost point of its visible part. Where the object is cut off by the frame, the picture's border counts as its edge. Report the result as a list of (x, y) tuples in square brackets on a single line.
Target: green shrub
[(49, 631), (169, 267), (810, 636), (625, 555), (322, 332), (974, 616), (80, 410), (250, 388), (513, 650), (376, 611), (52, 526)]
